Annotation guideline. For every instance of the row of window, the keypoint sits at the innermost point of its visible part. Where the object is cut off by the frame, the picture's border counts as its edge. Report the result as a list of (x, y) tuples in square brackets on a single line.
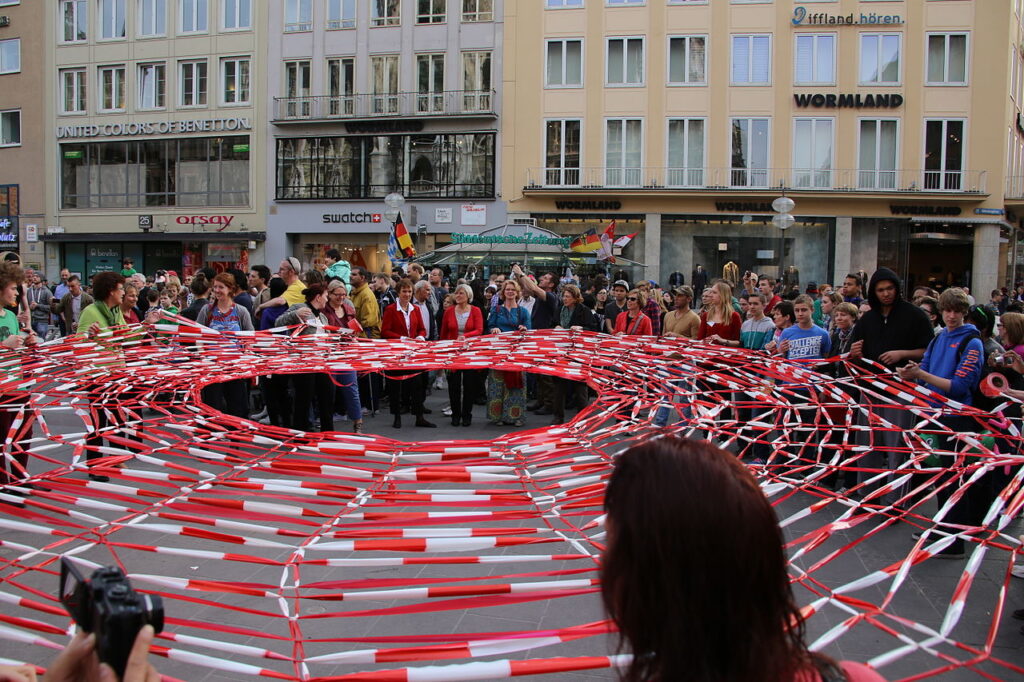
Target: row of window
[(151, 91), (299, 14), (814, 62), (570, 4), (151, 16), (193, 16), (384, 77), (749, 145)]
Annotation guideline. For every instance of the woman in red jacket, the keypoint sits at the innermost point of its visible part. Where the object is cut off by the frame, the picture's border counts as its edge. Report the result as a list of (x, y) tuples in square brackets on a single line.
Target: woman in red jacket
[(632, 321), (719, 323), (462, 321), (403, 320)]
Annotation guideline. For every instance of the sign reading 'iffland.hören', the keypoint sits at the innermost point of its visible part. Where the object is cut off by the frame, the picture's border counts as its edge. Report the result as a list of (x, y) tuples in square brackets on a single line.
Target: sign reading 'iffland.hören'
[(801, 17)]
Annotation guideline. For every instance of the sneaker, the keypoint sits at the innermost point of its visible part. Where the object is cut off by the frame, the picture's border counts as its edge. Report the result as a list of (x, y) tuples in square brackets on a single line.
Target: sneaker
[(366, 412), (1018, 572), (265, 420), (357, 427), (447, 411), (259, 415)]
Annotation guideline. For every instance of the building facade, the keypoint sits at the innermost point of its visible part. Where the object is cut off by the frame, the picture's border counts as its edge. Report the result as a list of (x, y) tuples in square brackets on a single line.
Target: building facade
[(888, 123), (152, 146), (22, 117), (372, 98)]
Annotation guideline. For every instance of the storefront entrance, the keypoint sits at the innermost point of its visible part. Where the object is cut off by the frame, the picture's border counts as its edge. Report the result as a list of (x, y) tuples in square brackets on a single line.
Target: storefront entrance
[(939, 260)]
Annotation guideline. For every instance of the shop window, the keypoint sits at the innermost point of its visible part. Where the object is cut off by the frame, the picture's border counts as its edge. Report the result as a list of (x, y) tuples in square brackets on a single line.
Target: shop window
[(687, 60), (170, 172), (944, 154), (750, 142), (341, 14), (947, 59), (878, 153), (880, 58), (812, 152), (356, 167), (562, 152), (564, 63)]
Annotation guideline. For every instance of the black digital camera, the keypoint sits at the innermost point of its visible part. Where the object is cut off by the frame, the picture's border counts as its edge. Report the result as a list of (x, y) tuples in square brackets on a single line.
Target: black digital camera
[(107, 605)]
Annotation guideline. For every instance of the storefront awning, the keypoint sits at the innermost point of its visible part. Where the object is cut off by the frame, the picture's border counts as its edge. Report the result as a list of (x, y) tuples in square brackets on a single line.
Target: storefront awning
[(154, 237), (956, 220)]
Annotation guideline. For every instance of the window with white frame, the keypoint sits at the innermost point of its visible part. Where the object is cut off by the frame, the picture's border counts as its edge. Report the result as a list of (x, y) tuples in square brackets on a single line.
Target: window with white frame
[(73, 91), (74, 18), (10, 128), (237, 15), (235, 79), (563, 4), (298, 15), (194, 16), (878, 151), (625, 61), (430, 83), (564, 67), (384, 79), (341, 74), (623, 152), (750, 146), (430, 11), (685, 152), (687, 60), (752, 59), (152, 18), (812, 152), (385, 13), (880, 58), (111, 19), (152, 88), (943, 154), (298, 88), (476, 81), (192, 83), (112, 90), (341, 14), (10, 55), (947, 59), (562, 152), (815, 59), (477, 10), (620, 3)]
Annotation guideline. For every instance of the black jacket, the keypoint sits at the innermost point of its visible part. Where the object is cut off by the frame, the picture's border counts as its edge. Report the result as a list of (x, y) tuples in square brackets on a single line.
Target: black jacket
[(582, 316), (906, 327)]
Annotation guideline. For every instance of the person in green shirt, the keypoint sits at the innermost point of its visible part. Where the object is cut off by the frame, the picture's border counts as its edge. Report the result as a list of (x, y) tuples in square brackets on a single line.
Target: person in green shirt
[(13, 337), (127, 268)]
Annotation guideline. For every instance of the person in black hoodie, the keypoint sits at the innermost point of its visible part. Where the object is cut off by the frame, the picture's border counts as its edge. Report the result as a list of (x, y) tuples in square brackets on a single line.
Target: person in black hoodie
[(893, 333)]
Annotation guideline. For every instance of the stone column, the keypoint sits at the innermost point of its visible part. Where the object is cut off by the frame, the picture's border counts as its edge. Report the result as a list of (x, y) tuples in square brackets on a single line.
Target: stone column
[(985, 274), (652, 246), (844, 248)]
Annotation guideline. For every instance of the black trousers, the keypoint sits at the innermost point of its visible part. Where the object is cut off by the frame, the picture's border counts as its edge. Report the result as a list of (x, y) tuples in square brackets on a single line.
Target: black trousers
[(563, 388), (371, 388), (230, 397), (403, 388), (463, 388), (307, 387), (279, 404)]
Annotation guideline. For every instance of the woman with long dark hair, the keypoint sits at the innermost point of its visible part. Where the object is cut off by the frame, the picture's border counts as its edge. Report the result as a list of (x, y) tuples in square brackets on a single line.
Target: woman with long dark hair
[(310, 384), (223, 314), (694, 573)]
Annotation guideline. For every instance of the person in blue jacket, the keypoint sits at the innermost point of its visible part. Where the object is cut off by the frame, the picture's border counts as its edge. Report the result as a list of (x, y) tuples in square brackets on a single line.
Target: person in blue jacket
[(944, 367)]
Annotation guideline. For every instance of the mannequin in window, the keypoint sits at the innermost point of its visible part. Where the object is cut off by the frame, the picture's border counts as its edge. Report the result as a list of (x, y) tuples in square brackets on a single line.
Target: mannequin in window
[(699, 279), (731, 274), (791, 277)]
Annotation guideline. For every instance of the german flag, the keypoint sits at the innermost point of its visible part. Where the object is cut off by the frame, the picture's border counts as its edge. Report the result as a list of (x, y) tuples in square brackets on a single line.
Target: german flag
[(405, 246), (586, 242)]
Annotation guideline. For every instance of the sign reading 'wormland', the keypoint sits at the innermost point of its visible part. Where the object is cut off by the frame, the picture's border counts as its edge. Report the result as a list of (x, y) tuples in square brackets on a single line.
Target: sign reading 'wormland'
[(849, 101)]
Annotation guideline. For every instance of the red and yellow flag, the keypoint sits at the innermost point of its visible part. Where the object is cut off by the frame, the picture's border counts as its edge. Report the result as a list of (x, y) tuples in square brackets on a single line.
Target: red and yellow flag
[(405, 246)]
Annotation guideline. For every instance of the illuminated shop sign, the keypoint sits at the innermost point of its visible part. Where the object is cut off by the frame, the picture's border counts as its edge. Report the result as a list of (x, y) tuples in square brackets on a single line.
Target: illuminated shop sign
[(206, 125)]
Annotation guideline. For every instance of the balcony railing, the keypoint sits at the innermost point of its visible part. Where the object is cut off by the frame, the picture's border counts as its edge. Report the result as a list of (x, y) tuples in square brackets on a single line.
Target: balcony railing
[(327, 107), (1014, 187), (798, 179)]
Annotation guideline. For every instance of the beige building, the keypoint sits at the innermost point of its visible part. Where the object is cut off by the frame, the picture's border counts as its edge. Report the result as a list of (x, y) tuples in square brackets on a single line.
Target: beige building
[(22, 126), (152, 109), (894, 126)]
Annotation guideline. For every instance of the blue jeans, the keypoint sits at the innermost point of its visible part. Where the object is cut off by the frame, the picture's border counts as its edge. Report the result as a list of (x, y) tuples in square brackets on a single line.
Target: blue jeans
[(40, 327), (678, 397), (346, 386)]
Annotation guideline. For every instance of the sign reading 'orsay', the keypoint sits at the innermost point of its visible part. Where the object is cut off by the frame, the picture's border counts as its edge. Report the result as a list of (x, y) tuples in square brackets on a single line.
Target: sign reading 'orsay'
[(849, 101), (801, 17), (207, 125)]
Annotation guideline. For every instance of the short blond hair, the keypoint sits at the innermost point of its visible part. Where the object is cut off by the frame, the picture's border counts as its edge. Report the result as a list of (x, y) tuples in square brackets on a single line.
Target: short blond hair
[(848, 308)]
